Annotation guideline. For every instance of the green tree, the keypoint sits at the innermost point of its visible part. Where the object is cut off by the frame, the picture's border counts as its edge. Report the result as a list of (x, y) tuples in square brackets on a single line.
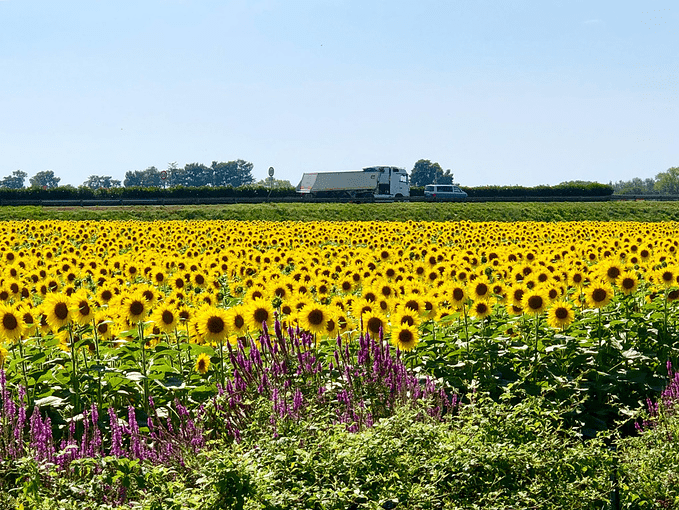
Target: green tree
[(101, 181), (233, 173), (14, 181), (45, 179), (636, 186), (425, 172), (147, 178), (668, 182), (270, 182)]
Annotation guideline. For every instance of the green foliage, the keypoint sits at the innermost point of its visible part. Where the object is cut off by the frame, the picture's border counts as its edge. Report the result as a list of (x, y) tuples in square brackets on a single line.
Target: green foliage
[(397, 211), (45, 179), (425, 172), (490, 456), (668, 182), (592, 189)]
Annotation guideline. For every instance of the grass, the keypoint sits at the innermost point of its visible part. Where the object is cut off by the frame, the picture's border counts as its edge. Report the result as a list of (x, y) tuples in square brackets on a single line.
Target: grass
[(398, 211)]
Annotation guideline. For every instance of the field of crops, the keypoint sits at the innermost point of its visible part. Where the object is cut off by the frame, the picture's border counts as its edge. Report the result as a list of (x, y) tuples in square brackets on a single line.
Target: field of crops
[(150, 341)]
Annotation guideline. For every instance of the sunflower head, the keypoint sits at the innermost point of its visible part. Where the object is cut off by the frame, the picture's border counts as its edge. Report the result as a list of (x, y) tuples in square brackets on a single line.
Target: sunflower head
[(598, 294), (11, 323), (202, 363), (534, 301), (560, 315), (404, 336), (212, 324)]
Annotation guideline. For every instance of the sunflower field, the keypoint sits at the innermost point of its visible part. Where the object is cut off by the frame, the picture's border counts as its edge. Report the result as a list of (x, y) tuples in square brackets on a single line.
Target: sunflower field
[(148, 341)]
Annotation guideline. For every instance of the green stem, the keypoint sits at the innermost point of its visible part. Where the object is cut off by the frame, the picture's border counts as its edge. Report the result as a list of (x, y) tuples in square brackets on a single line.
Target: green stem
[(74, 372), (466, 334), (23, 368), (221, 363), (140, 329), (95, 335)]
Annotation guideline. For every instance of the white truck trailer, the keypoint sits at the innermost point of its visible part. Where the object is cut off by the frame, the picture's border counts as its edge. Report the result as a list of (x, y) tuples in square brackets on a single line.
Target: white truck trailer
[(375, 181)]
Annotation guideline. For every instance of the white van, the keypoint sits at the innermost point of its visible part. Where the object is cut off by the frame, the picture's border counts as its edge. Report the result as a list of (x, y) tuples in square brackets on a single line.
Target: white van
[(444, 192)]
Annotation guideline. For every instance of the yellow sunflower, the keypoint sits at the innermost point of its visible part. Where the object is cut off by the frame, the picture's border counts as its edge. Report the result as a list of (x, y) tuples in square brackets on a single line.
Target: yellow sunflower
[(598, 294), (212, 324), (259, 311), (134, 307), (82, 309), (10, 323), (628, 282), (373, 322), (202, 363), (404, 336), (481, 309), (165, 317), (57, 311), (560, 314), (313, 318), (534, 301)]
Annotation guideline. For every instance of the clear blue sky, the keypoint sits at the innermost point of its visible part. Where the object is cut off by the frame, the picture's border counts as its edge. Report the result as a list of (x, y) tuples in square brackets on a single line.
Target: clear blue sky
[(500, 92)]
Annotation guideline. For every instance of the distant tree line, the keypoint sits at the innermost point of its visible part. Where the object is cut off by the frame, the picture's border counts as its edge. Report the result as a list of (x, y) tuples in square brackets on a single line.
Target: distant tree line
[(664, 183), (218, 174)]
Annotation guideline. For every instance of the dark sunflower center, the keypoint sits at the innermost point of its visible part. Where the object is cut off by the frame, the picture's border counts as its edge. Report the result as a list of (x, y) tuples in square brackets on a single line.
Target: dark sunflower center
[(107, 295), (167, 317), (261, 315), (215, 325), (148, 295), (667, 276), (9, 322), (627, 283), (405, 337), (535, 302), (481, 289), (518, 294), (458, 294), (599, 295), (136, 308), (61, 311), (239, 321), (84, 308), (330, 326), (481, 308), (200, 280), (184, 315), (28, 319), (577, 277), (374, 324), (613, 272), (407, 319), (413, 305), (561, 313), (315, 317)]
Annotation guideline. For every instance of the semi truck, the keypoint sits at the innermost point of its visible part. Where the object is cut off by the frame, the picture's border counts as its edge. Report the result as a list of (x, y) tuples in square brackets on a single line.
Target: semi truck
[(372, 182)]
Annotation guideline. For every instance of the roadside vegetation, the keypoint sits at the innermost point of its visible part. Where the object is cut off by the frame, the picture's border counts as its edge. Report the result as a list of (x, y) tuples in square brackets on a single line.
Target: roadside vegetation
[(652, 211), (275, 365)]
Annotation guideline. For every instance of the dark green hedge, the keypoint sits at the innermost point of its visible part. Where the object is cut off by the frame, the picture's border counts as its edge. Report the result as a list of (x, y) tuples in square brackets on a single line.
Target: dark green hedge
[(562, 190), (82, 193)]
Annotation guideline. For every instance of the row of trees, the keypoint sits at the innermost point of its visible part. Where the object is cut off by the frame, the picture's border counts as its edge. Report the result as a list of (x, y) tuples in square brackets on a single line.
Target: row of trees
[(664, 183), (232, 173), (17, 179)]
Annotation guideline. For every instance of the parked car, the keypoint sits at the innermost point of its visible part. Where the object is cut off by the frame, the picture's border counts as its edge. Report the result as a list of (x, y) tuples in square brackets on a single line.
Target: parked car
[(444, 192)]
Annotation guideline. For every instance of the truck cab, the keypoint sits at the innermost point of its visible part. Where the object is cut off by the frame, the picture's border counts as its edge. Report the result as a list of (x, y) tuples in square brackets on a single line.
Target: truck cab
[(392, 182)]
